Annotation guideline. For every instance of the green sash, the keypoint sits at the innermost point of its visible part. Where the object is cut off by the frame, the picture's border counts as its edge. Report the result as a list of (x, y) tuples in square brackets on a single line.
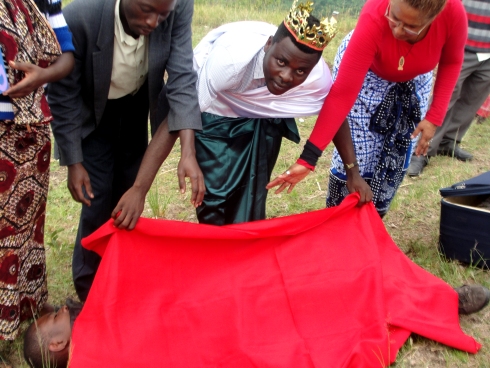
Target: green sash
[(236, 156)]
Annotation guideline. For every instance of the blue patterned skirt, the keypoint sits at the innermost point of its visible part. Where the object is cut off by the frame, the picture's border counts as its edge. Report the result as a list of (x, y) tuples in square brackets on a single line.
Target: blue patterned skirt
[(382, 145)]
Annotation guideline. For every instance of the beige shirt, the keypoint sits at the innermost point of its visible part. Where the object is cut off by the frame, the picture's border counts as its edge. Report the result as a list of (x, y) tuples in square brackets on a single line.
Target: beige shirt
[(130, 61)]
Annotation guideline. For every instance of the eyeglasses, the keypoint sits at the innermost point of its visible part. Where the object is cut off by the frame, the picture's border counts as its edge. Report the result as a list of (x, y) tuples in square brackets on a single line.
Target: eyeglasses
[(395, 24)]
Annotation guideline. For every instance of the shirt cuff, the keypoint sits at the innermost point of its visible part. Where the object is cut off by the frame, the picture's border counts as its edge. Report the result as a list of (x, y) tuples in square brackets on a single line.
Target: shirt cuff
[(305, 164), (310, 155)]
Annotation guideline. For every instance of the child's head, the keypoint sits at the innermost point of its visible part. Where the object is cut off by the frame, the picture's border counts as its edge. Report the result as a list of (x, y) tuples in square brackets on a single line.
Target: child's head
[(47, 340), (292, 53)]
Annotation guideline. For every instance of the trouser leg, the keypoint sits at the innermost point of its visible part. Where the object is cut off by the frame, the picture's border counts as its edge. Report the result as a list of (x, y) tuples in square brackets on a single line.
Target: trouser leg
[(471, 90), (473, 94), (112, 155)]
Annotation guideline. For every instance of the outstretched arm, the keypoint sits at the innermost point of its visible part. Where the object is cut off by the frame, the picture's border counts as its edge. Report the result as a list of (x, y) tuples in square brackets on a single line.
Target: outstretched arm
[(184, 115), (36, 76), (355, 63), (131, 205), (355, 182)]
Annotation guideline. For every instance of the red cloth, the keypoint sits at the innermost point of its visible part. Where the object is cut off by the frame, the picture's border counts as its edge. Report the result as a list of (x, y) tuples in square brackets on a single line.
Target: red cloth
[(320, 289), (373, 47), (484, 110)]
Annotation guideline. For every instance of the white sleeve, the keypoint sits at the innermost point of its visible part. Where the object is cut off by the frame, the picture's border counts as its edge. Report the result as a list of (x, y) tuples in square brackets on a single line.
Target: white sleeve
[(220, 72)]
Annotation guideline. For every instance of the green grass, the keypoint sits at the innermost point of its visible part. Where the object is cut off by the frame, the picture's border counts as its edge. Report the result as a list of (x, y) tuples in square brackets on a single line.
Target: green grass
[(413, 220)]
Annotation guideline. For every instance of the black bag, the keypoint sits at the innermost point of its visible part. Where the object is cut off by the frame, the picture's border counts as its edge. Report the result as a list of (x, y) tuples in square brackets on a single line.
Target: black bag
[(465, 221)]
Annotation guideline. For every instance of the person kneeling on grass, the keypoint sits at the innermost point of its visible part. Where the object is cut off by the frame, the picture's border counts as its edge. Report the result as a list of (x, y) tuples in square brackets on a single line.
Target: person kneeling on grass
[(47, 340)]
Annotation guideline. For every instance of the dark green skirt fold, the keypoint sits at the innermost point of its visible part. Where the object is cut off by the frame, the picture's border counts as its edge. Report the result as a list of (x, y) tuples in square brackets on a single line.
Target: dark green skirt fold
[(236, 156)]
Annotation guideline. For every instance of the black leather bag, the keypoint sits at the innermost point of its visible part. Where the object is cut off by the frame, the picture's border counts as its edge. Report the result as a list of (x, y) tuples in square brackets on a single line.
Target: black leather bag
[(465, 221)]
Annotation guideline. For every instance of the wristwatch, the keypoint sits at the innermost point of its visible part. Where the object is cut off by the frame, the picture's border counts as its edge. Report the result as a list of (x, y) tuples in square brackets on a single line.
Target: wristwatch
[(350, 166)]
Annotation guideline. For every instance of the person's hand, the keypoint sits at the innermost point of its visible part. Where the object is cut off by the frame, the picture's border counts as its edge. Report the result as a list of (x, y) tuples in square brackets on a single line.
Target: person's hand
[(77, 180), (428, 130), (34, 77), (188, 167), (129, 209), (289, 179), (355, 183)]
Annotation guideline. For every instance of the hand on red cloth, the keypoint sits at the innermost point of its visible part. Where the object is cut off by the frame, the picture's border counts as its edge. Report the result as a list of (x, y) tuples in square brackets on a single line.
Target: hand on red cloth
[(327, 288)]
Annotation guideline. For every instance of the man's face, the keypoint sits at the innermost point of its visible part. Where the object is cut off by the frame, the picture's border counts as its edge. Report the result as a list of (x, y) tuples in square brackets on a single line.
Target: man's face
[(141, 17), (286, 66), (55, 325)]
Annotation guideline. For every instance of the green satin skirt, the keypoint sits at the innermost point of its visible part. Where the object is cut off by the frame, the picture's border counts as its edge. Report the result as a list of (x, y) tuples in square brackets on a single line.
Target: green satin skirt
[(236, 156)]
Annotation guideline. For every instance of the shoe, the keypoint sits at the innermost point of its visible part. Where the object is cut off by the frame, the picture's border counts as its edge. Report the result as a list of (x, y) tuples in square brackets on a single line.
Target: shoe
[(417, 164), (456, 152), (472, 298)]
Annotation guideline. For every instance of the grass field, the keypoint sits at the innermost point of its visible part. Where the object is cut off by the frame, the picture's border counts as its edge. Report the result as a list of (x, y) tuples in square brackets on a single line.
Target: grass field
[(413, 220)]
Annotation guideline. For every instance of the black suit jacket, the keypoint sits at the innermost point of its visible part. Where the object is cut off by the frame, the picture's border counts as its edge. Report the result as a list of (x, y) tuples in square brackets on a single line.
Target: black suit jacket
[(78, 101)]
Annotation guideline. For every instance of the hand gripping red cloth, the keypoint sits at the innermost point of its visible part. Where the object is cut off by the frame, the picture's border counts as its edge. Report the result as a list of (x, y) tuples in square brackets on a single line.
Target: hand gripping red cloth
[(322, 289)]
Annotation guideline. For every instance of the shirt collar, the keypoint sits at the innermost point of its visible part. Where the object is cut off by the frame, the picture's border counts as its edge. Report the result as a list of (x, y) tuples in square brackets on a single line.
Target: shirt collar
[(122, 36), (259, 65)]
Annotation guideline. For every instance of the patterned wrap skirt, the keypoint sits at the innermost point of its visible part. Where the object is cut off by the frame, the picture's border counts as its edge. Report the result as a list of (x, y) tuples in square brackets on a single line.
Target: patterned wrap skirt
[(236, 156), (369, 144), (24, 179)]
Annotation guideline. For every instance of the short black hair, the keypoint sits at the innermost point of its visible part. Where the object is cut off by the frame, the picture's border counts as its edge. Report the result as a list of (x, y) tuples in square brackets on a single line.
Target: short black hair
[(283, 32), (33, 347), (36, 351)]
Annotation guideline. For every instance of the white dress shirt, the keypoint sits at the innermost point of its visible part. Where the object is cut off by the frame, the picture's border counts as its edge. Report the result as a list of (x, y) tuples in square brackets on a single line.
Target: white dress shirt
[(229, 63)]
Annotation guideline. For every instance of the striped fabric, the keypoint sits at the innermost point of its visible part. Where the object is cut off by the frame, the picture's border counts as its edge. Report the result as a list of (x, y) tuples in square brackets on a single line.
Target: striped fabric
[(52, 10), (478, 12), (6, 110)]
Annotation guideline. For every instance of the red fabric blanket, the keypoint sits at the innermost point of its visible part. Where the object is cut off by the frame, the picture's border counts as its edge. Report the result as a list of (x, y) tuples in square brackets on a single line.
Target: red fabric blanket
[(322, 289)]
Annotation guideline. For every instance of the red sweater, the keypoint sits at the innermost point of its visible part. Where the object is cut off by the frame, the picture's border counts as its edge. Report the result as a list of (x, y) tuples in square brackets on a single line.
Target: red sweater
[(373, 47)]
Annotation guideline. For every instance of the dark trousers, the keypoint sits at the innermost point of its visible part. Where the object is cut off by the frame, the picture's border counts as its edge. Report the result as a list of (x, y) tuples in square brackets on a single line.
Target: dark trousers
[(471, 90), (112, 154), (236, 156)]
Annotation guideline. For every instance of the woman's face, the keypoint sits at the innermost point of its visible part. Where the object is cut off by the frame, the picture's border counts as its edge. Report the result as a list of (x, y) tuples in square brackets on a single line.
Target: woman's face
[(406, 23)]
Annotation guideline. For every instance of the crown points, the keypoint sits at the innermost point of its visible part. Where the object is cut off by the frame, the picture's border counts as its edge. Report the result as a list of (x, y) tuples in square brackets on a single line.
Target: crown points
[(315, 37)]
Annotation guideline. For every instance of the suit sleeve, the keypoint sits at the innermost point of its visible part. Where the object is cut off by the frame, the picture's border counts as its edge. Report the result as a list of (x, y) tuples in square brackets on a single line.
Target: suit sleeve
[(181, 84), (65, 101)]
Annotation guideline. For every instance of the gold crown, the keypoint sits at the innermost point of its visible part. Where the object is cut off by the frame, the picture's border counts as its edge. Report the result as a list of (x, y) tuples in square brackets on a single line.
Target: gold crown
[(315, 37)]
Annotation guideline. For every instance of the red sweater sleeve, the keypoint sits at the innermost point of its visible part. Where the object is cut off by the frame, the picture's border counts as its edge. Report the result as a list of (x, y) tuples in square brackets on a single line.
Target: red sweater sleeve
[(372, 46), (356, 61)]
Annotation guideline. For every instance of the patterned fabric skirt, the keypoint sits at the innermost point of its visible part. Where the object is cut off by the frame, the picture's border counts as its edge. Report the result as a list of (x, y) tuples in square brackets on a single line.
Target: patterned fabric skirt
[(368, 144), (24, 178), (236, 156)]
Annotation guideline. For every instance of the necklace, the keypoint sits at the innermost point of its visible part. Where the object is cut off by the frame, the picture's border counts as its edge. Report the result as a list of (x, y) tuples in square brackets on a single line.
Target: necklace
[(401, 61)]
